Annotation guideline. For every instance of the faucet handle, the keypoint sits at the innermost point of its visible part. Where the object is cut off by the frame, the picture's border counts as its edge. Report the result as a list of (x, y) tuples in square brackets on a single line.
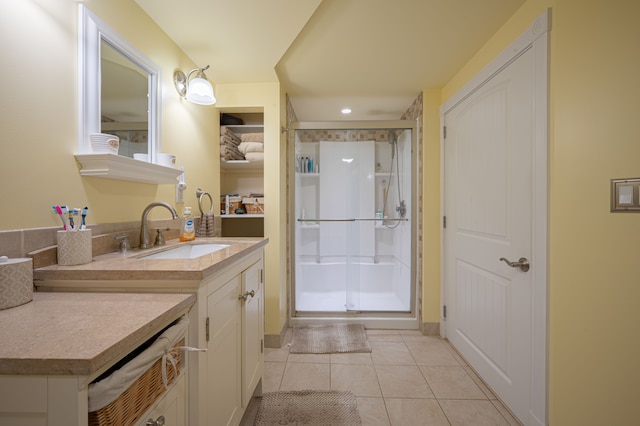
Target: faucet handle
[(124, 243), (159, 237)]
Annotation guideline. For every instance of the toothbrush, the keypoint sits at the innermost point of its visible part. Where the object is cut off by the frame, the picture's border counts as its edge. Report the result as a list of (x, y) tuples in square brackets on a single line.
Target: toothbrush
[(85, 210), (64, 219), (71, 223), (55, 211)]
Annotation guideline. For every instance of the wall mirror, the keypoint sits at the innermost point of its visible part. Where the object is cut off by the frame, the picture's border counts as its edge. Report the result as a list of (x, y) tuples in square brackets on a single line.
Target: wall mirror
[(119, 90)]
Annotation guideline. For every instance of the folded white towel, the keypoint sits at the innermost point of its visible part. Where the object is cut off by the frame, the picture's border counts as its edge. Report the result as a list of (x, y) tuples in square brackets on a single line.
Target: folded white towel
[(245, 147)]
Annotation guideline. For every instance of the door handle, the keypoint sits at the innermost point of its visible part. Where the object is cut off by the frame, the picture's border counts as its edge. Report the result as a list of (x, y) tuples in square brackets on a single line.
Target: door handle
[(522, 263), (246, 295)]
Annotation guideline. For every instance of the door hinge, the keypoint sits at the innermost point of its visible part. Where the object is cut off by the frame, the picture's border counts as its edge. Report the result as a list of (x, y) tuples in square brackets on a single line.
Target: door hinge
[(444, 132), (261, 346), (261, 276), (444, 311), (444, 221), (206, 328)]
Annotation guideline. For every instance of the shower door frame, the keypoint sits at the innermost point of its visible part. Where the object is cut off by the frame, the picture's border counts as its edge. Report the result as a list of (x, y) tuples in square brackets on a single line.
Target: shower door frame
[(377, 319)]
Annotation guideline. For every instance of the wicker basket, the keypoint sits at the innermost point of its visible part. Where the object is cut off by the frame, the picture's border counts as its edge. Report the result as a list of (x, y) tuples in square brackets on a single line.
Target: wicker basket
[(234, 203), (253, 205), (129, 407)]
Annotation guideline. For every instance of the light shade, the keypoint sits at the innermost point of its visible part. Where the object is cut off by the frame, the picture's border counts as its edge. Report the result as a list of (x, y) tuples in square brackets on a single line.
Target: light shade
[(197, 89), (200, 91)]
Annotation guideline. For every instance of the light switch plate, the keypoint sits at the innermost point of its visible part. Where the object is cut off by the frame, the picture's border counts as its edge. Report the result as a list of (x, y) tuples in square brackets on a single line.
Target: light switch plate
[(625, 195)]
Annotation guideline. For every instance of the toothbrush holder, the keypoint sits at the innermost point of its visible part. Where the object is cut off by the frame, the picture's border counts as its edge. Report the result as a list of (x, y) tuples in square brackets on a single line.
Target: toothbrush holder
[(74, 247)]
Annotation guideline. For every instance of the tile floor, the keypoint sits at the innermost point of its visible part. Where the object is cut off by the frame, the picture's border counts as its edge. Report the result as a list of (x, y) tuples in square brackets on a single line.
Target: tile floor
[(407, 379)]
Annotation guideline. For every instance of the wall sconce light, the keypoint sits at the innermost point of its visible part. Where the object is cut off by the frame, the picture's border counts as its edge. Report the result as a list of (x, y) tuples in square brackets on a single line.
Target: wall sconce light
[(197, 89)]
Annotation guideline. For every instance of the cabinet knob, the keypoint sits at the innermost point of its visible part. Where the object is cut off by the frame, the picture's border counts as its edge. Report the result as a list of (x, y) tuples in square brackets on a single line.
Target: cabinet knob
[(158, 422), (246, 295)]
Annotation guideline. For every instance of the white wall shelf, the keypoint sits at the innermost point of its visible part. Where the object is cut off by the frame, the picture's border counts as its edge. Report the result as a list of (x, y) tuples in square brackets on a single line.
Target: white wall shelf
[(118, 167), (241, 165)]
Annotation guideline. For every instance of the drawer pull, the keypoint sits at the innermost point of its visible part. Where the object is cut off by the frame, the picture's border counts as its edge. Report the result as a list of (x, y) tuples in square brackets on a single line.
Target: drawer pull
[(158, 422)]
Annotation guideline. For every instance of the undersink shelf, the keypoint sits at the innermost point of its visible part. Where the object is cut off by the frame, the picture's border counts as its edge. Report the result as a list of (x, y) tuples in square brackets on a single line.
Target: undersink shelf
[(118, 167)]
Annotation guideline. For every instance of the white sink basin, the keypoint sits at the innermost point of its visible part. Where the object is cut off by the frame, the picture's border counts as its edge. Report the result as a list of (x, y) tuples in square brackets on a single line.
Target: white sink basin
[(188, 251)]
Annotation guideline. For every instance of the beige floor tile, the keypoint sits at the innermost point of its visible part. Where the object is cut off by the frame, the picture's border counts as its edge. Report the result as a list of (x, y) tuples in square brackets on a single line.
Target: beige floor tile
[(276, 354), (472, 413), (372, 331), (391, 353), (372, 411), (451, 383), (510, 418), (455, 353), (310, 358), (421, 338), (476, 379), (352, 358), (410, 332), (431, 353), (418, 412), (402, 382), (273, 372), (359, 379), (303, 376), (385, 338)]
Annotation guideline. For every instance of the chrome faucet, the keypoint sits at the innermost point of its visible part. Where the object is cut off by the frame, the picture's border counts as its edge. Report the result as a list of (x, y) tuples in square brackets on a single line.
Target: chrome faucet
[(144, 227)]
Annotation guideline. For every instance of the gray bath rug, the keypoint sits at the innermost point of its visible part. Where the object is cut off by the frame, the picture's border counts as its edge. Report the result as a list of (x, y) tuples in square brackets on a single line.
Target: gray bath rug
[(310, 408), (327, 339)]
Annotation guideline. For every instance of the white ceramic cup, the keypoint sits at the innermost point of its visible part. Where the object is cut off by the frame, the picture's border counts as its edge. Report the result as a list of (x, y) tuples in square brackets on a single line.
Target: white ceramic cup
[(104, 142), (168, 160)]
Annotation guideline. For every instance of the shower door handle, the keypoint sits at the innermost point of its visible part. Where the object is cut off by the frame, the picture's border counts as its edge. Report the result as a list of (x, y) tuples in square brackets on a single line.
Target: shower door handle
[(522, 263)]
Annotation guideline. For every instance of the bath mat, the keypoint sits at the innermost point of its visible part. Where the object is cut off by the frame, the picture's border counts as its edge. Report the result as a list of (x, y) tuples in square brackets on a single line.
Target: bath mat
[(327, 339), (311, 408)]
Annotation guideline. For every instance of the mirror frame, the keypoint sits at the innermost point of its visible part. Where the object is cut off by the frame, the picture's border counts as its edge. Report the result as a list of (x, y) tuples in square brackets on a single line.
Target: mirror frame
[(91, 30)]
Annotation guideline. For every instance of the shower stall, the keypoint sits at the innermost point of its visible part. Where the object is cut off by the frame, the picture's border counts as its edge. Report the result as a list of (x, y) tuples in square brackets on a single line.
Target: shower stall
[(352, 216)]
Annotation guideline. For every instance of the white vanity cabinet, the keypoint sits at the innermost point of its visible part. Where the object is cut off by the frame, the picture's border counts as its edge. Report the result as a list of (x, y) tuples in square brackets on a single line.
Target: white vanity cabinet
[(226, 321), (233, 318)]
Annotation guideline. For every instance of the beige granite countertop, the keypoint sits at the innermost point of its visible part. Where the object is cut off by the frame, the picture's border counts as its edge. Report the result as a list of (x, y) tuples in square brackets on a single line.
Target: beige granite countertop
[(80, 334), (130, 265)]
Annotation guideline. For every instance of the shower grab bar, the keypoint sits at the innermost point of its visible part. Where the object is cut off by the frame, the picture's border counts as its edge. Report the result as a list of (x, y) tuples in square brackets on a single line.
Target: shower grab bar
[(353, 219)]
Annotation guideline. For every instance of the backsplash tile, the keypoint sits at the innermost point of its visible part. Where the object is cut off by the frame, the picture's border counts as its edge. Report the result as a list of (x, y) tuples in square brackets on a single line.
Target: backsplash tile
[(11, 244), (41, 243)]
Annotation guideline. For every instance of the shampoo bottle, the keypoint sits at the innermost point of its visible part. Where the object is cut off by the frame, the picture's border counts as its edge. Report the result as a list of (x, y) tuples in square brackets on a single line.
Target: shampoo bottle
[(188, 231)]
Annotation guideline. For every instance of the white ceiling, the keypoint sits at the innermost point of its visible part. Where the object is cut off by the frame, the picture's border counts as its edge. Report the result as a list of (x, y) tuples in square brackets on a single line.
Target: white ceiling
[(374, 56)]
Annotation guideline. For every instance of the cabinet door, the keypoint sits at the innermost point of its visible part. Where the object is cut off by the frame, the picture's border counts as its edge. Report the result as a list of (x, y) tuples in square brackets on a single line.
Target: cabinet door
[(223, 355), (252, 329)]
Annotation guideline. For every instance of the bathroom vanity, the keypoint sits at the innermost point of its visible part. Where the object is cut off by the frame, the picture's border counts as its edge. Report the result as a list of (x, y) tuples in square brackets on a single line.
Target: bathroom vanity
[(56, 345), (227, 318)]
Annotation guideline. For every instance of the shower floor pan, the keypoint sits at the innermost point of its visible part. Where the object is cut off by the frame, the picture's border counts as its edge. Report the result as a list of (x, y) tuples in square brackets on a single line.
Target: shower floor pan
[(335, 301)]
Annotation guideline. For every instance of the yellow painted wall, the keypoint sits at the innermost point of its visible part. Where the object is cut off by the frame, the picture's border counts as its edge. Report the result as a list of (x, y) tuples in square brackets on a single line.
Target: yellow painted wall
[(594, 285), (266, 97), (431, 216), (38, 120)]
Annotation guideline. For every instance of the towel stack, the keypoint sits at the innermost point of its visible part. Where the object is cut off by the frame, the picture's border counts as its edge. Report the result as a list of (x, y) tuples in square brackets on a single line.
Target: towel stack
[(252, 146), (229, 143), (206, 228)]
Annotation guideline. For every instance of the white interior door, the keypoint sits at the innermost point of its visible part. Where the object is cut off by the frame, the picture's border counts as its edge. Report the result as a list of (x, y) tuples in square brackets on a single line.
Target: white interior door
[(490, 195)]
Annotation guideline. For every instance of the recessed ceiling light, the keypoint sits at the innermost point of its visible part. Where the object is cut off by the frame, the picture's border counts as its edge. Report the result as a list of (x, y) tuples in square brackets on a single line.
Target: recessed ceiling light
[(346, 110)]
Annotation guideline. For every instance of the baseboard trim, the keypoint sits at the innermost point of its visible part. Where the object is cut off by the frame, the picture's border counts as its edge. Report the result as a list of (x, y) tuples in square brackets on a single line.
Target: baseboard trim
[(276, 340), (430, 328)]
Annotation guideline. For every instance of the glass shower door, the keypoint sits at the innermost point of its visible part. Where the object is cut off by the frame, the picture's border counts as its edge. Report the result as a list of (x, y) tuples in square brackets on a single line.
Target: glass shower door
[(346, 196), (353, 235)]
